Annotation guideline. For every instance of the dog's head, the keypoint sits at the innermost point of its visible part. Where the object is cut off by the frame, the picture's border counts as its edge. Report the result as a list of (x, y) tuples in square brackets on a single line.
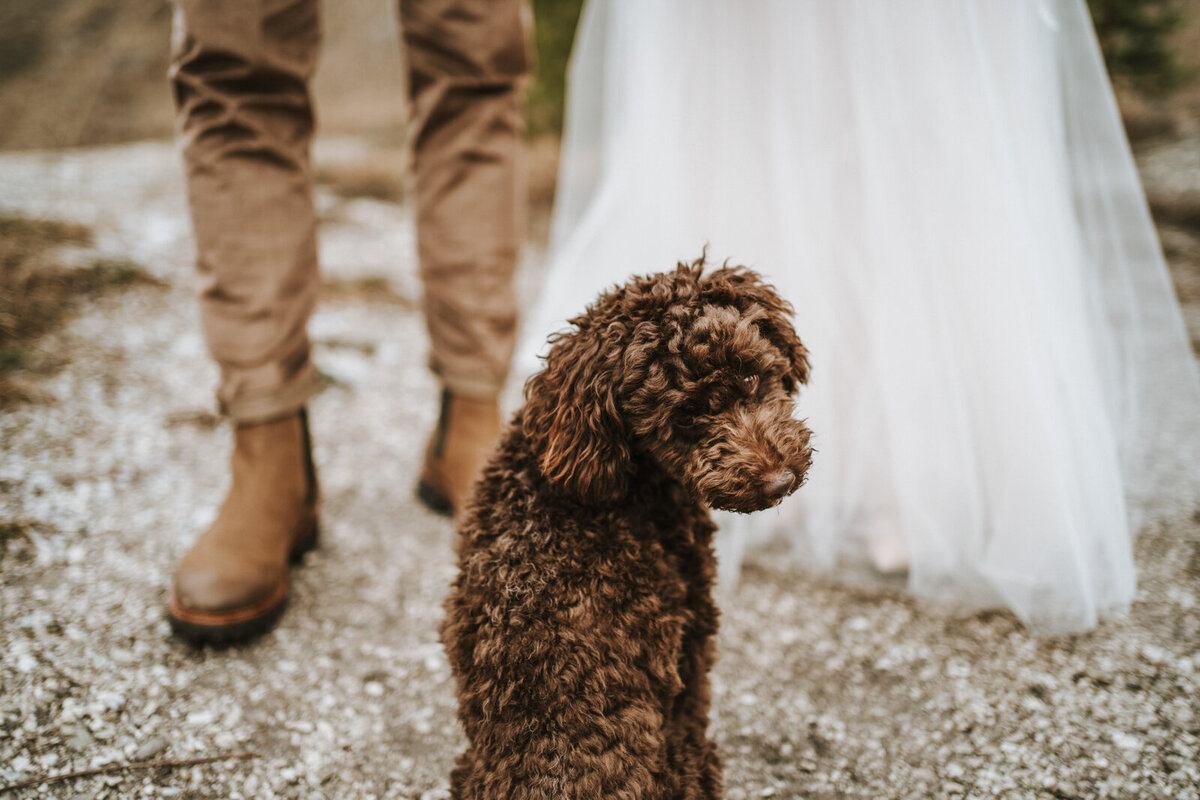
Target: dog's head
[(694, 373)]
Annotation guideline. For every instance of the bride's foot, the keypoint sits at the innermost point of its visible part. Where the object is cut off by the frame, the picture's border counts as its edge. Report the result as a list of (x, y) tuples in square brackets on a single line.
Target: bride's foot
[(886, 547)]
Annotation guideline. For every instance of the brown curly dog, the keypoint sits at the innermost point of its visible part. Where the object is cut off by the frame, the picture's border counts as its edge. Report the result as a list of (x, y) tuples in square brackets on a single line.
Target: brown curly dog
[(580, 627)]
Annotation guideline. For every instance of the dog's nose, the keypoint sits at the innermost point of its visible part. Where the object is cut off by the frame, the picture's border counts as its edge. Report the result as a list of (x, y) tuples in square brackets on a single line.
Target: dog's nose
[(777, 484)]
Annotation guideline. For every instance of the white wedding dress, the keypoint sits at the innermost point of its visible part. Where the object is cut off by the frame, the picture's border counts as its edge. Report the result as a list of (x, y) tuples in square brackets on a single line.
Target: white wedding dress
[(1002, 390)]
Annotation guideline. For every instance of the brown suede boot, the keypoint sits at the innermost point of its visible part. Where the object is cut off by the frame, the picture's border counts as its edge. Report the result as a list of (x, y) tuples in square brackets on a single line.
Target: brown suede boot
[(466, 432), (233, 583)]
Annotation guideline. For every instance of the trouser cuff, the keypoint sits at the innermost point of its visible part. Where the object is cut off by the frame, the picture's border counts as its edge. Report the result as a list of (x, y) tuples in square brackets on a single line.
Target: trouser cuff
[(474, 387), (276, 404)]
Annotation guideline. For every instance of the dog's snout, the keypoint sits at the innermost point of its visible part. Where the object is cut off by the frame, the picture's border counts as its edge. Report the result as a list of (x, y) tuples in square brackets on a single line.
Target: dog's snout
[(779, 484)]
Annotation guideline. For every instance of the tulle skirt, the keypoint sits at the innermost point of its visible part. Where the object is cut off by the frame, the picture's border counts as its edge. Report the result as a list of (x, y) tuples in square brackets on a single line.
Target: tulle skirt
[(1001, 383)]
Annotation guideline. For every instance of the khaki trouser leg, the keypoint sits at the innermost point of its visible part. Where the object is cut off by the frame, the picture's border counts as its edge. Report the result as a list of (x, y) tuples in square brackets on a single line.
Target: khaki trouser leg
[(467, 62), (240, 72)]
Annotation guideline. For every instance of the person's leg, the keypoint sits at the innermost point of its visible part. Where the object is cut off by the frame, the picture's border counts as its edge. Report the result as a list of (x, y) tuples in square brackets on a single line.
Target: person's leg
[(467, 65), (240, 73)]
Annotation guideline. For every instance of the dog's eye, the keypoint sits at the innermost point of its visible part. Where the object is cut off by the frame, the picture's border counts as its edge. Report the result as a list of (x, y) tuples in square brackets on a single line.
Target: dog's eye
[(750, 383)]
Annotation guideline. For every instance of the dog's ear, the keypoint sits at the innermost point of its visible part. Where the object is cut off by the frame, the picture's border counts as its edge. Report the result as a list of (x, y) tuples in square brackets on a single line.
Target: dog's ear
[(742, 287), (784, 336), (572, 418)]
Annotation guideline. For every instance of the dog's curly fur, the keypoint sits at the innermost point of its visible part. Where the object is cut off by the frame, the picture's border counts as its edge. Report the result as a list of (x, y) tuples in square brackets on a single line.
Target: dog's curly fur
[(580, 627)]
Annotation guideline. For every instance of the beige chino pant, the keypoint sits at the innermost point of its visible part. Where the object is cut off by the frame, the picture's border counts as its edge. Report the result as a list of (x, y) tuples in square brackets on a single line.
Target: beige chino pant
[(240, 74)]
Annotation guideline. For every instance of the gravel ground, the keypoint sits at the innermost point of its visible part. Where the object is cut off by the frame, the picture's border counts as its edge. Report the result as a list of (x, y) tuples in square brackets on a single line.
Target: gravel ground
[(821, 690)]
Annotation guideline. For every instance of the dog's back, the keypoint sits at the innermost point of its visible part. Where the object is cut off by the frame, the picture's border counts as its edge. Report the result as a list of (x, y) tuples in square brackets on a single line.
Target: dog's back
[(581, 643)]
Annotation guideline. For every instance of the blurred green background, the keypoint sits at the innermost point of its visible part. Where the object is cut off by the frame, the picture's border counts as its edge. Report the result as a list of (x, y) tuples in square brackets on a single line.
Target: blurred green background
[(84, 72)]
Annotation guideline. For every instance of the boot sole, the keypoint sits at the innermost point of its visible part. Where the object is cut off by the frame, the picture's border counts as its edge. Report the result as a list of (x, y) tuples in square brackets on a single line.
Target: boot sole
[(238, 625), (435, 499)]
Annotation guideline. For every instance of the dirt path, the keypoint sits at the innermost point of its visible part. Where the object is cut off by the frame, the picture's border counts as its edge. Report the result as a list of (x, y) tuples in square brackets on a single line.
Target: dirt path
[(821, 690)]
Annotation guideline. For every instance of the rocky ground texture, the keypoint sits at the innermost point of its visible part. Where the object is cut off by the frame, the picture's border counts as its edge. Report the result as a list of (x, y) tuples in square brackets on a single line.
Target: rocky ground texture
[(821, 690)]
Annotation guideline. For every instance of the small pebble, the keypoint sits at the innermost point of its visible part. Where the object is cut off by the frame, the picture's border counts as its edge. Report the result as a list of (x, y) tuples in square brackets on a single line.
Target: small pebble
[(150, 749)]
